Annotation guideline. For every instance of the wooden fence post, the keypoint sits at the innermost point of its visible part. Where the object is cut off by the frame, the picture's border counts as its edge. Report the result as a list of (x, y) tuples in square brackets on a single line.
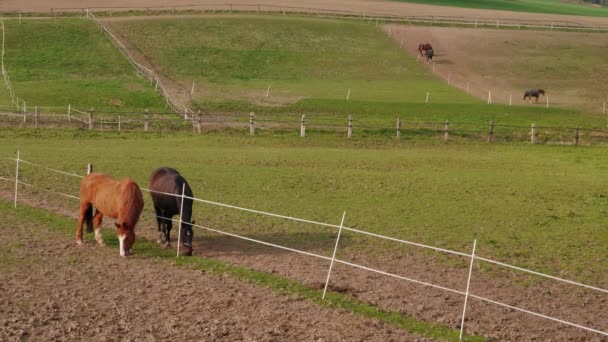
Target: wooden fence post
[(36, 115), (251, 123), (200, 122), (69, 113), (91, 118), (577, 136), (399, 128), (350, 127), (119, 123), (303, 126), (491, 132), (446, 131), (147, 120), (89, 168), (533, 134)]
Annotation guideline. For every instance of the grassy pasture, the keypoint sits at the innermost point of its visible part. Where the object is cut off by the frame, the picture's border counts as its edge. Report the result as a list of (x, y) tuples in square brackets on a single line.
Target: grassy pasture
[(534, 6), (236, 58), (310, 65), (68, 61), (542, 207)]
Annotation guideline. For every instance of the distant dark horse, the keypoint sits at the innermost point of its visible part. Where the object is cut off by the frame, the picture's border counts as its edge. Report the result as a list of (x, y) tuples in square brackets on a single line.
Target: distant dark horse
[(121, 200), (530, 93), (164, 181)]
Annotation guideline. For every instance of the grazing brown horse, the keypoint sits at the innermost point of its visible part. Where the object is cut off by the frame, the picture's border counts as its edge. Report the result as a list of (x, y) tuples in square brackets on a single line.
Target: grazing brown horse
[(530, 93), (422, 47), (120, 200)]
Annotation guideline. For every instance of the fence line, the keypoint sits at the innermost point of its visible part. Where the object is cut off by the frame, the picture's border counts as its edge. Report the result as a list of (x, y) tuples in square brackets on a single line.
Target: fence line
[(333, 259), (335, 13), (148, 73)]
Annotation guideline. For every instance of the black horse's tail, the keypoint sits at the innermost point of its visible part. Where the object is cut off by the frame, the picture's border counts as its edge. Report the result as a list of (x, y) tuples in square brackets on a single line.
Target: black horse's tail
[(88, 219)]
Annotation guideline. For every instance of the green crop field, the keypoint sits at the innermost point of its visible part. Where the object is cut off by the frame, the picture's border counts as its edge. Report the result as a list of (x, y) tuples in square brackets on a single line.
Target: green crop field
[(542, 207), (535, 6), (310, 65), (68, 61)]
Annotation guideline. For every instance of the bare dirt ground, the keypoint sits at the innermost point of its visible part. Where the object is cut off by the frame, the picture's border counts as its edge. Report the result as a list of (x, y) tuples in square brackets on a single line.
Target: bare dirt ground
[(588, 308), (53, 290), (367, 6), (506, 62)]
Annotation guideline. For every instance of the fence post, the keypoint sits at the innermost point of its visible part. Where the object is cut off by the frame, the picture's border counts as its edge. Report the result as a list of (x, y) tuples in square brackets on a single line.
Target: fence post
[(69, 113), (91, 118), (181, 210), (89, 168), (303, 126), (119, 123), (350, 127), (427, 97), (147, 120), (200, 122), (489, 97), (17, 179), (251, 123), (577, 136), (398, 128), (533, 134), (511, 100), (491, 132), (446, 131), (36, 114), (466, 296), (333, 257), (547, 98)]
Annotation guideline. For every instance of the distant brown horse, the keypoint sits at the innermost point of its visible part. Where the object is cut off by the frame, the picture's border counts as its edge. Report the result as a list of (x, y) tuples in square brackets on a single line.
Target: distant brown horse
[(120, 200), (422, 47)]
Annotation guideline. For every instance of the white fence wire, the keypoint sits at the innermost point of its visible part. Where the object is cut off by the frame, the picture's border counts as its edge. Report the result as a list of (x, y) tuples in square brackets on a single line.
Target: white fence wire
[(467, 293)]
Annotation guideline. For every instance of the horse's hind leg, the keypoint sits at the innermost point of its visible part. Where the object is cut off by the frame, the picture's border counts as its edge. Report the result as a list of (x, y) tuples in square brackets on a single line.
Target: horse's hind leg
[(97, 219), (81, 218), (160, 222)]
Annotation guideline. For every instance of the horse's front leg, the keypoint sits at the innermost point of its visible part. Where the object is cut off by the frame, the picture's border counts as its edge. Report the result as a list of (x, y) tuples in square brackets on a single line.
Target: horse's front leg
[(97, 219)]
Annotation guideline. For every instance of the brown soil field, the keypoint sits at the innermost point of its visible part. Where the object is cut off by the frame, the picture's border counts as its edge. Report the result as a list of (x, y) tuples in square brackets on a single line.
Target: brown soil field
[(507, 62), (52, 290), (588, 308)]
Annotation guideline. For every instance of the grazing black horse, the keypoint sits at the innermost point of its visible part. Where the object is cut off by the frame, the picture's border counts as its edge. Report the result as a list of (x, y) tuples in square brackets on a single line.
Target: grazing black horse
[(530, 93), (169, 181)]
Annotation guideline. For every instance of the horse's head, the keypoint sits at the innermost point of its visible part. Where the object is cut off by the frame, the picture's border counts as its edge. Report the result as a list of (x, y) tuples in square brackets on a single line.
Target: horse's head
[(126, 238), (541, 91), (186, 237)]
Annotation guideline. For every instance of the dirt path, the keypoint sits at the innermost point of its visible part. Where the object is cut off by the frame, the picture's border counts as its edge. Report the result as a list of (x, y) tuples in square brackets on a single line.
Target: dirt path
[(53, 290)]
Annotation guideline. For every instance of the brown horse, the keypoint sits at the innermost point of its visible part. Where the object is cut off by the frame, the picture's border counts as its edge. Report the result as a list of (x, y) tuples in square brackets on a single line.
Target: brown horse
[(120, 200), (423, 47)]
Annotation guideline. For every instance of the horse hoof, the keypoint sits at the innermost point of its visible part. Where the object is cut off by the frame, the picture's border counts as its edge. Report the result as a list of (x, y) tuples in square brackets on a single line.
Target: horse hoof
[(79, 242)]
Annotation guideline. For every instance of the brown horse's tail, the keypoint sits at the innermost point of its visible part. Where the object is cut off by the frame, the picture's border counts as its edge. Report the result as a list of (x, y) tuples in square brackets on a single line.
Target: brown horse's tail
[(88, 219)]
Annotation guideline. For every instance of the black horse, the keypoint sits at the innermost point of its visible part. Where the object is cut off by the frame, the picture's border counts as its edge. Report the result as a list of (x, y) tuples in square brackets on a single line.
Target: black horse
[(530, 93), (164, 181)]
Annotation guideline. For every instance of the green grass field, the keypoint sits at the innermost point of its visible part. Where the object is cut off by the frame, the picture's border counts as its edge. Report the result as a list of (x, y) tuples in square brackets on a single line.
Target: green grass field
[(541, 207), (310, 65), (535, 6), (68, 61)]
